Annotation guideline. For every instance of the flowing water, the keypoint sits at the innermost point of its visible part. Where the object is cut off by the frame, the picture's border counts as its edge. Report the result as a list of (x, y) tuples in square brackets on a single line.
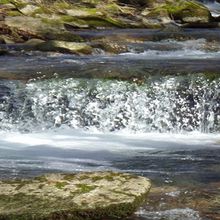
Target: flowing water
[(153, 111), (213, 6)]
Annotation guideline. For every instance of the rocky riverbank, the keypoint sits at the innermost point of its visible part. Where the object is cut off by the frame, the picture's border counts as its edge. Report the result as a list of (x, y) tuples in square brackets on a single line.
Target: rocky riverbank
[(52, 25), (94, 195)]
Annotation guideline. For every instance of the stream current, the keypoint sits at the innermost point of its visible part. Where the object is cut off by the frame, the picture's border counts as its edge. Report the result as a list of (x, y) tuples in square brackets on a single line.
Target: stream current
[(153, 111)]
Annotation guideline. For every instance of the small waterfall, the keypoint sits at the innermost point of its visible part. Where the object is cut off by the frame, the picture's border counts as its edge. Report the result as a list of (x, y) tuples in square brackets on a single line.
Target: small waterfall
[(160, 104), (213, 5)]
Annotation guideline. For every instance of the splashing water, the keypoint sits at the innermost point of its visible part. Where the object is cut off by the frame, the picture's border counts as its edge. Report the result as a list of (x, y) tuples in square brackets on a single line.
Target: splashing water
[(174, 214), (167, 104)]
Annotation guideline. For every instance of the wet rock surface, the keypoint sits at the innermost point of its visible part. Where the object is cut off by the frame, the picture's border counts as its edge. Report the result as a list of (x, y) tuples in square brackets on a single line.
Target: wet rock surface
[(94, 195), (170, 202), (44, 20)]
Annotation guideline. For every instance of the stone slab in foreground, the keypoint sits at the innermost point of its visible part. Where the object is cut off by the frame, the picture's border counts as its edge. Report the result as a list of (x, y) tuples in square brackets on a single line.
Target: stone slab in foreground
[(84, 196)]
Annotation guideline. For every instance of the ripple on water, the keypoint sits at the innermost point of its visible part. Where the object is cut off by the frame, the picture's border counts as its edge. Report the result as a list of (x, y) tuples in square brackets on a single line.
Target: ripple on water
[(172, 214)]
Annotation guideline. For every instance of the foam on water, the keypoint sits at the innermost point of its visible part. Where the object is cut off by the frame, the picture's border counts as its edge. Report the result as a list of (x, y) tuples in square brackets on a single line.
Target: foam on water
[(193, 49), (214, 7), (115, 142), (173, 214), (72, 150)]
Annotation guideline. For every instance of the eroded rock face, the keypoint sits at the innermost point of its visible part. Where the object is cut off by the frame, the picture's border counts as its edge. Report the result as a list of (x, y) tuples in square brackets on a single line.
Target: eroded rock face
[(94, 195)]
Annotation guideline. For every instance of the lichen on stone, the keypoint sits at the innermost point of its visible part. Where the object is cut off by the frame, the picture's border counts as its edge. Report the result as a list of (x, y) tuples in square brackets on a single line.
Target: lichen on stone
[(94, 195)]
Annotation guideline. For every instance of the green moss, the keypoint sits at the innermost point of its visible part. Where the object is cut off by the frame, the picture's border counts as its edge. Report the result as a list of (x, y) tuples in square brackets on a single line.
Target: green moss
[(42, 10), (13, 13), (211, 76), (41, 186), (22, 202), (18, 181), (18, 4), (180, 9), (61, 185), (20, 186), (52, 22), (103, 22), (84, 188), (68, 18), (41, 205), (84, 177), (69, 177), (109, 178), (61, 5), (96, 178), (4, 1), (41, 178)]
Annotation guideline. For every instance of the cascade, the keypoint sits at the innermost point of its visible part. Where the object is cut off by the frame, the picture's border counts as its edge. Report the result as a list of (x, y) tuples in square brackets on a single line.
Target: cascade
[(156, 104)]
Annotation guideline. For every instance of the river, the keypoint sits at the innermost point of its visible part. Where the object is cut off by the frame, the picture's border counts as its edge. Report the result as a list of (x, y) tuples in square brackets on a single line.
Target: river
[(153, 111)]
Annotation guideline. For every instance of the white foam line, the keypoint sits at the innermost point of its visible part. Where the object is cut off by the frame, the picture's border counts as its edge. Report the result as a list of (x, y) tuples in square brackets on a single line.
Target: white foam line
[(120, 141)]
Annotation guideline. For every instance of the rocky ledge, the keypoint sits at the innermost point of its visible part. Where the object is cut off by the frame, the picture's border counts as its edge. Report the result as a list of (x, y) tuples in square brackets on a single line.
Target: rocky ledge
[(95, 195), (50, 24)]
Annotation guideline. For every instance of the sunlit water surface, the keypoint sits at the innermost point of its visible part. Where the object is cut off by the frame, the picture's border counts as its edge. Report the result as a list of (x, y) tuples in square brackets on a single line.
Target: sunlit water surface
[(165, 128)]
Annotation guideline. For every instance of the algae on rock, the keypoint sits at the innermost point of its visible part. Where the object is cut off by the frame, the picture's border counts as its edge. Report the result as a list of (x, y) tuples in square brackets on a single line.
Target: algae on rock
[(64, 46), (80, 196), (182, 11)]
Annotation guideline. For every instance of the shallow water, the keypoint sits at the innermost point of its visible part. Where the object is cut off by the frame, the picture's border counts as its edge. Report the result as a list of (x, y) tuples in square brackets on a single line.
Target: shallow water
[(214, 7), (178, 164), (58, 114)]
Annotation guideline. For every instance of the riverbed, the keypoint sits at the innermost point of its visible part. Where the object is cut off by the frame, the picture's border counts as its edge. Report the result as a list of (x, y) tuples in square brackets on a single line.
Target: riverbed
[(153, 111)]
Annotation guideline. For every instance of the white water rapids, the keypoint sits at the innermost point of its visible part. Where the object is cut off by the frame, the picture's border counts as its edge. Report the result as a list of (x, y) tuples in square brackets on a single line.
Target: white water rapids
[(165, 127), (167, 104)]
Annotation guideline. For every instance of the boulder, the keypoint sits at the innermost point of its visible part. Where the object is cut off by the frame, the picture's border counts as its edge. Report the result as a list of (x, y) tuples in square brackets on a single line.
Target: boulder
[(112, 47), (155, 18), (149, 3), (188, 11), (34, 42), (29, 9), (96, 195), (64, 46), (180, 11), (41, 28), (33, 25)]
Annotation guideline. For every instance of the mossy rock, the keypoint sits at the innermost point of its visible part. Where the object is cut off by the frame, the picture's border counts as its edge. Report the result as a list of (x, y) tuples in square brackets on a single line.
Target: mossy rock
[(95, 18), (36, 26), (149, 3), (96, 195), (47, 29), (155, 18), (112, 47), (183, 11), (188, 11), (14, 13), (30, 10), (4, 2), (65, 47), (4, 39)]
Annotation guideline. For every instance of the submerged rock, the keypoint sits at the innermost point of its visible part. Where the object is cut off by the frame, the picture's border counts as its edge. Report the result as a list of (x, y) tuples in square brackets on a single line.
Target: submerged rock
[(94, 195)]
